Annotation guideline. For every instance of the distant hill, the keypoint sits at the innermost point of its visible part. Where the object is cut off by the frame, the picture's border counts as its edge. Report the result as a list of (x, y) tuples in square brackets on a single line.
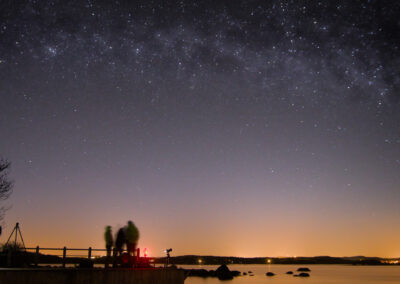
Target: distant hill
[(217, 260)]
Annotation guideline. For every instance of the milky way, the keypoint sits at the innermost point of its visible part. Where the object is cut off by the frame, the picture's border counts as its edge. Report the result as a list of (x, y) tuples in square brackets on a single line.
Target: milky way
[(229, 109)]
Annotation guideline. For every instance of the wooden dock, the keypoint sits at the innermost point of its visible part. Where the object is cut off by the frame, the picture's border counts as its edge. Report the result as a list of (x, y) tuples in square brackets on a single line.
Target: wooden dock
[(91, 276)]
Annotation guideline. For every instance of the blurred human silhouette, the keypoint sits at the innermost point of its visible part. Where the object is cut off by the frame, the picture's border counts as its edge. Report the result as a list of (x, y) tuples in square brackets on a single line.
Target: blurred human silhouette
[(132, 237), (119, 241), (108, 238)]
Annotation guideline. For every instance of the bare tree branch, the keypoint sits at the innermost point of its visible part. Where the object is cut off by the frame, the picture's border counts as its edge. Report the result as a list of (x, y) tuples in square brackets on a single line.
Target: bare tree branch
[(6, 185)]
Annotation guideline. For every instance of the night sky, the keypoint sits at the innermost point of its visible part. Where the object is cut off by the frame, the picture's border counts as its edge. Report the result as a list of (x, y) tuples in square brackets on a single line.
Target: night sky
[(246, 128)]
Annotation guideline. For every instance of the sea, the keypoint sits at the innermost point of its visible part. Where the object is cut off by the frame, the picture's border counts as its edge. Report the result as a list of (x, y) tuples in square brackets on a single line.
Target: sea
[(320, 274)]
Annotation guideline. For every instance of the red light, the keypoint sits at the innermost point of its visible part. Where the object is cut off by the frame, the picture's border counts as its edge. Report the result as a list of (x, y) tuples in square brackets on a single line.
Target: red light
[(125, 258), (145, 252)]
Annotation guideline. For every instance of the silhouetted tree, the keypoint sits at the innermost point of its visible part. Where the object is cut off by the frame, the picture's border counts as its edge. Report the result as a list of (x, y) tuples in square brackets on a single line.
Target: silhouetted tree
[(5, 184)]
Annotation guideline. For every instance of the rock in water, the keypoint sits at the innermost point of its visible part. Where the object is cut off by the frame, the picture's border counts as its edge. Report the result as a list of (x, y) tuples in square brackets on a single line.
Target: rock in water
[(304, 269), (235, 273), (199, 272), (223, 273), (303, 274), (289, 272), (270, 274)]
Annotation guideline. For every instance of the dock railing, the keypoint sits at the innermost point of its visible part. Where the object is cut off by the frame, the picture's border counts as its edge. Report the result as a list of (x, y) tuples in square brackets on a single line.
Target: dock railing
[(88, 253)]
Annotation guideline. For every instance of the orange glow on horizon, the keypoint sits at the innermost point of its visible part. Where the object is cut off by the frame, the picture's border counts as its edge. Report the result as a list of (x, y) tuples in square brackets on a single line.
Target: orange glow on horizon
[(284, 236)]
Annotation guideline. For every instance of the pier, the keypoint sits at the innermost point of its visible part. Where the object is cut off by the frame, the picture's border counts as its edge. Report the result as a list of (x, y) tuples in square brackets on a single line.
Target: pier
[(81, 266), (91, 276)]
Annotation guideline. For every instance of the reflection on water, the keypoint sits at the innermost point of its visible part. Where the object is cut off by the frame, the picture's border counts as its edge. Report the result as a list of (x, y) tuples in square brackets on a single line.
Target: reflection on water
[(320, 274)]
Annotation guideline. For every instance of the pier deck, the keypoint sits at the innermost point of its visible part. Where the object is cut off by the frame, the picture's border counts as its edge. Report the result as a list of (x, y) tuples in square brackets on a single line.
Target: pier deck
[(91, 276)]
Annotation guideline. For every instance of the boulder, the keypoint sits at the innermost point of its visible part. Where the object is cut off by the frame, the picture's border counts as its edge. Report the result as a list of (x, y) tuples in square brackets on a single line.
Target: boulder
[(270, 274), (223, 273), (289, 272), (244, 273), (303, 274), (304, 269), (199, 273)]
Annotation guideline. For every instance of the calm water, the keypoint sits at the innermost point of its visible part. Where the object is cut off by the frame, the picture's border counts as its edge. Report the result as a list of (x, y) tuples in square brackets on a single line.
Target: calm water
[(320, 274)]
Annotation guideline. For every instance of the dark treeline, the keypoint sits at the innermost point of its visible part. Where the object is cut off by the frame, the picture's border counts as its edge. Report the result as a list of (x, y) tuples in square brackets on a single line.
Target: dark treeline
[(218, 260)]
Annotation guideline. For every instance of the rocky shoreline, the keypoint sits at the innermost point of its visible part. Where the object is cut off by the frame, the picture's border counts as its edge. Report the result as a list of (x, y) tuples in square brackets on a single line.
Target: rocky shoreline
[(224, 273)]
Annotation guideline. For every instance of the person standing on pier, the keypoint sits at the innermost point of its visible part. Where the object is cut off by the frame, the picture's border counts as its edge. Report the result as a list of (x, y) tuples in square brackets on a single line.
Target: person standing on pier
[(119, 241), (132, 237), (108, 238)]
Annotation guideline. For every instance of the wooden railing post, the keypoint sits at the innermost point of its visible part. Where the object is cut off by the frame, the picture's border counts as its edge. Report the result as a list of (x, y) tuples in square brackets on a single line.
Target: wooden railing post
[(108, 256), (64, 256), (90, 253), (114, 257), (37, 256)]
